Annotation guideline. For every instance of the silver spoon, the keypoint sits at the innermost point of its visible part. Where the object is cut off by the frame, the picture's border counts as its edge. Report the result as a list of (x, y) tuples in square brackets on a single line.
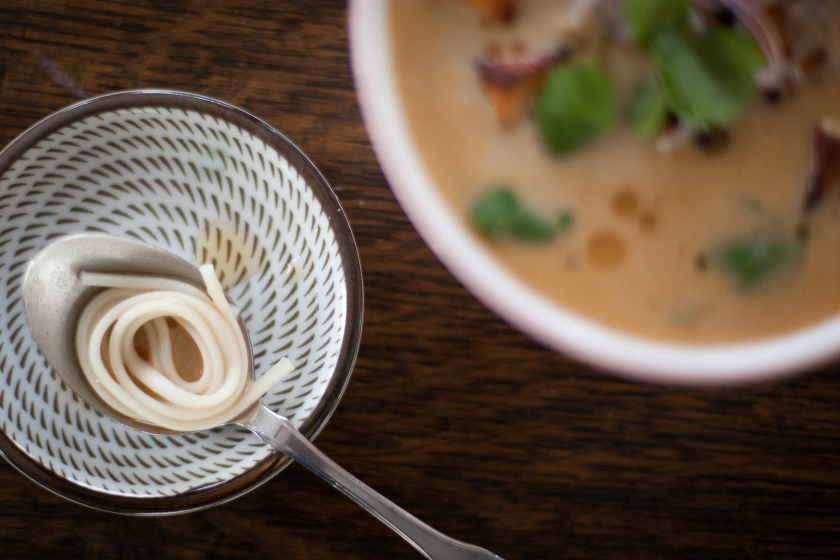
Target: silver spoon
[(54, 297)]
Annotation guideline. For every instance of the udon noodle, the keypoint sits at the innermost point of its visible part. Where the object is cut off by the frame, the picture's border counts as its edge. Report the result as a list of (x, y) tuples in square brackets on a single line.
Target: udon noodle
[(152, 390)]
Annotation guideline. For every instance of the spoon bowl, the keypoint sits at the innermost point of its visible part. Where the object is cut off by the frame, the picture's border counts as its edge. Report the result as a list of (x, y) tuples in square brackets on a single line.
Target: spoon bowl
[(54, 297)]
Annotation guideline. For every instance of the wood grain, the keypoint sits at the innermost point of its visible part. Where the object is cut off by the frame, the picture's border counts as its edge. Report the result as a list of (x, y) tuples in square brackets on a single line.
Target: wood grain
[(451, 413)]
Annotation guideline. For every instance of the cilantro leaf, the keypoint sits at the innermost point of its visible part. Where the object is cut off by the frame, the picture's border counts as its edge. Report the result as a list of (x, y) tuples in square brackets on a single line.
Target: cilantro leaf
[(500, 213), (709, 79), (648, 109), (576, 105), (751, 260), (645, 17)]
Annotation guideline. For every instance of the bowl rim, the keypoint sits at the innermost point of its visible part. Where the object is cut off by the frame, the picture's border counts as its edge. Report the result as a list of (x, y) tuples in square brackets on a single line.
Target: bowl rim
[(217, 493), (559, 329)]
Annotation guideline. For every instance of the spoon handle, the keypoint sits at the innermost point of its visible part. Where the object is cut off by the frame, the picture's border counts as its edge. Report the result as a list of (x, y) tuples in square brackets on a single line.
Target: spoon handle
[(279, 433)]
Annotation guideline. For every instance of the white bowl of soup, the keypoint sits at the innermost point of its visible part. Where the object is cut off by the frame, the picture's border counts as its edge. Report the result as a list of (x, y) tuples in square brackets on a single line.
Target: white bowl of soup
[(691, 252)]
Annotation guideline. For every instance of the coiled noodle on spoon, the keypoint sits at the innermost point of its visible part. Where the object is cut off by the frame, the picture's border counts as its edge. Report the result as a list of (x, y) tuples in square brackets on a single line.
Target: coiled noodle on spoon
[(152, 389)]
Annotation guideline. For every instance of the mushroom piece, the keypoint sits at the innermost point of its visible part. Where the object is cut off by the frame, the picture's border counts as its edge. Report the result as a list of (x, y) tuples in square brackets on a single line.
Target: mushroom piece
[(499, 10), (512, 82), (825, 163)]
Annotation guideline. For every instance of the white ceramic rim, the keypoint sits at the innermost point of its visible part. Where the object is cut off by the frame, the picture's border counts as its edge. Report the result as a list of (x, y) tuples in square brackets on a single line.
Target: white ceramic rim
[(551, 325)]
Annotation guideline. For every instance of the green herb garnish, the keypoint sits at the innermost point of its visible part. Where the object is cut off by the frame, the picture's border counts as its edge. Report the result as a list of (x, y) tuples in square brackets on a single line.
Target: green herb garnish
[(646, 17), (751, 260), (648, 111), (500, 213), (575, 106), (708, 80), (705, 80)]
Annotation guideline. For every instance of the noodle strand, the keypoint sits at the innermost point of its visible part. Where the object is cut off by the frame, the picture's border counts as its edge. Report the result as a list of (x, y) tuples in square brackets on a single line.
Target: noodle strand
[(152, 390)]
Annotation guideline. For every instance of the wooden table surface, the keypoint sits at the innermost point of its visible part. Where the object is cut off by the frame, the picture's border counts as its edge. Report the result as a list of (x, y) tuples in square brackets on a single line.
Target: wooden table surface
[(455, 416)]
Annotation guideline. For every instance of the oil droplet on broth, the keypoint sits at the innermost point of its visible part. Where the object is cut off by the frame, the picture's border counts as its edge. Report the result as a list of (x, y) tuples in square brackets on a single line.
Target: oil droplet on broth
[(625, 203), (235, 255), (604, 250)]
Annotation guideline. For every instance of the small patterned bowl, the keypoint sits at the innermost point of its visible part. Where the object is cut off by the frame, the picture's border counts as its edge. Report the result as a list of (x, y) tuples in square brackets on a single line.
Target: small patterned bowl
[(209, 182)]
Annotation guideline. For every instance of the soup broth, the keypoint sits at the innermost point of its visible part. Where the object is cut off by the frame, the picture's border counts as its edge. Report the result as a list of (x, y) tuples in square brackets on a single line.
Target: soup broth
[(649, 227)]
